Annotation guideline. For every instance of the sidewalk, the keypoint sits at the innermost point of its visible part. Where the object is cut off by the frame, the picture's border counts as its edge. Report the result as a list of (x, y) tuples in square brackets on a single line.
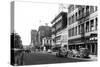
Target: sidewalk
[(92, 57)]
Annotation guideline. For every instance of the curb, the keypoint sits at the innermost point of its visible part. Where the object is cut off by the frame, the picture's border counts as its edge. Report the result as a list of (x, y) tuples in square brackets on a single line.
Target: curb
[(80, 58), (83, 59)]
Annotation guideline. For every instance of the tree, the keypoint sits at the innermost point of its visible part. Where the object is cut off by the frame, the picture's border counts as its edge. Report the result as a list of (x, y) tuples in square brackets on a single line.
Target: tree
[(16, 41)]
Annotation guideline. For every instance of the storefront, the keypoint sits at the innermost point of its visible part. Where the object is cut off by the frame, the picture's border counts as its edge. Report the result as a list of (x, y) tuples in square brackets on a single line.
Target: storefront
[(89, 43), (75, 44)]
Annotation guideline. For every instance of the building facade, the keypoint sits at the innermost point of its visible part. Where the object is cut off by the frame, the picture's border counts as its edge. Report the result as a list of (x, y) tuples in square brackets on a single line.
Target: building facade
[(34, 37), (43, 31), (82, 27), (46, 43), (59, 29)]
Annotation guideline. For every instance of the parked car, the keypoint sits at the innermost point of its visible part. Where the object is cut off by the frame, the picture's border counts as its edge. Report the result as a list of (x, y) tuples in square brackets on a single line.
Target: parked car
[(84, 53), (72, 53), (62, 52), (49, 51), (28, 51), (75, 53)]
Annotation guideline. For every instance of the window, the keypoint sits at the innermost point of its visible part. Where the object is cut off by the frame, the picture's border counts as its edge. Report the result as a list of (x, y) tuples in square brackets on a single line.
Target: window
[(72, 8), (96, 8), (69, 20), (47, 41), (58, 26), (58, 38), (73, 19), (76, 16), (69, 33), (82, 28), (76, 30), (82, 11), (87, 10), (87, 26), (91, 25), (79, 29), (72, 31), (96, 23), (79, 13), (91, 9)]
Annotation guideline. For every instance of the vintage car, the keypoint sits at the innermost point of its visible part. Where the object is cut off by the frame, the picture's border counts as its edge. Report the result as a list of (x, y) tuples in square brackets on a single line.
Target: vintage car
[(62, 52), (72, 53), (49, 51), (84, 53)]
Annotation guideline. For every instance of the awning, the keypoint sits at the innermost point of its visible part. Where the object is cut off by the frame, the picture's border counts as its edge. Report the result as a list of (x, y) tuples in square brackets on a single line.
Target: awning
[(56, 46), (76, 43)]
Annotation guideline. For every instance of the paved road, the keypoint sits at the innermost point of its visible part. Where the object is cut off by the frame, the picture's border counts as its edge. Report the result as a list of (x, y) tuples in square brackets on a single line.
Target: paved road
[(40, 58)]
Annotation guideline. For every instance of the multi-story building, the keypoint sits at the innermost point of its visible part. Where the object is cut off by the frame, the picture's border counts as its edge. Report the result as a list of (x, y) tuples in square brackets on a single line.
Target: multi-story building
[(46, 43), (43, 31), (34, 37), (82, 27), (59, 29)]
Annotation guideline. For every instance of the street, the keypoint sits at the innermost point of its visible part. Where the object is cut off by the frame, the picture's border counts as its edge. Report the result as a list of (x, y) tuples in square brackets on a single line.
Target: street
[(41, 58)]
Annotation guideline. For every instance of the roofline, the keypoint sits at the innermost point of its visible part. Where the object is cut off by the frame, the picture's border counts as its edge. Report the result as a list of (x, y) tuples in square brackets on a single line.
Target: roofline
[(57, 16)]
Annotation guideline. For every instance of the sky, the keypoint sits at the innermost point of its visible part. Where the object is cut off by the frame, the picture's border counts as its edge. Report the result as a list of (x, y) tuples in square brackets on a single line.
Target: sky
[(31, 15)]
